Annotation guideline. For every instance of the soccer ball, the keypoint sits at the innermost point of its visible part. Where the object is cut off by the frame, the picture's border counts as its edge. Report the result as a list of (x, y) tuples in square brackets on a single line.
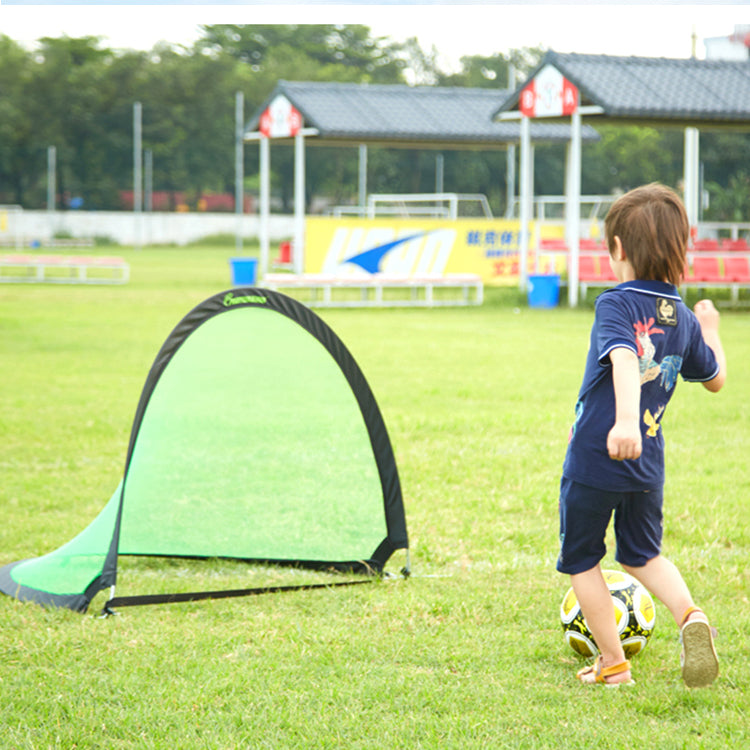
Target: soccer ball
[(634, 613)]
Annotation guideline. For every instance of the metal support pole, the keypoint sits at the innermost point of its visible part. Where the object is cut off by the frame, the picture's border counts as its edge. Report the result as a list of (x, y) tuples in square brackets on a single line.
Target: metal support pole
[(510, 179), (299, 203), (265, 202), (239, 166), (148, 180), (573, 207), (362, 178), (691, 174), (51, 177), (137, 173), (525, 207)]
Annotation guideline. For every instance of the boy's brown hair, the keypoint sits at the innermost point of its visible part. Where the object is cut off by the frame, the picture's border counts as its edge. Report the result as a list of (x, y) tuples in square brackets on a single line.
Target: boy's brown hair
[(653, 226)]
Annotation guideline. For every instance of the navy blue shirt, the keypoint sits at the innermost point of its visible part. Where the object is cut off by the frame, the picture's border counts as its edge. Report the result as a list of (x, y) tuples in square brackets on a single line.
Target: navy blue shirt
[(650, 318)]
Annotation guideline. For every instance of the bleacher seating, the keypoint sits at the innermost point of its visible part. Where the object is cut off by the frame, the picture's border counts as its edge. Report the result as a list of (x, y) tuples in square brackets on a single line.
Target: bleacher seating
[(711, 263), (706, 269), (380, 290), (706, 246), (587, 270), (737, 273), (63, 269), (586, 243), (732, 271), (740, 245), (594, 270), (553, 245), (737, 269)]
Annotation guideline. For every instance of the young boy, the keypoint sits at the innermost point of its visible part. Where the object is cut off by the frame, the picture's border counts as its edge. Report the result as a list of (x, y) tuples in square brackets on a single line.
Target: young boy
[(643, 337)]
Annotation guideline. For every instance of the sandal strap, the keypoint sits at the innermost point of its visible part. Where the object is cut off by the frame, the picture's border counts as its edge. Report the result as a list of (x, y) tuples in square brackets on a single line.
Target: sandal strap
[(689, 611), (601, 673), (604, 672)]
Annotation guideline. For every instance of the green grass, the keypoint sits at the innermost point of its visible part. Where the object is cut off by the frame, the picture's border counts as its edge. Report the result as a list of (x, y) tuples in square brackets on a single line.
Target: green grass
[(468, 653)]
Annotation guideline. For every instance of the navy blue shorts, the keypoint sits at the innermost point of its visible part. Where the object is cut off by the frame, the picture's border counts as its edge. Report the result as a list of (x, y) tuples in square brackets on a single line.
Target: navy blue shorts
[(585, 513)]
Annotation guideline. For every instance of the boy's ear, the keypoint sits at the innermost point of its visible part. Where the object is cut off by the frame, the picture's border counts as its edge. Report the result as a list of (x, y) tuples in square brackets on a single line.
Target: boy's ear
[(619, 253)]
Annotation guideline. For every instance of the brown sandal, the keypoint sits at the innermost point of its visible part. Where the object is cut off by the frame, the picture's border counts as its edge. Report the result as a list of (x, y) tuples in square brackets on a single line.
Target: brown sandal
[(700, 664), (601, 673)]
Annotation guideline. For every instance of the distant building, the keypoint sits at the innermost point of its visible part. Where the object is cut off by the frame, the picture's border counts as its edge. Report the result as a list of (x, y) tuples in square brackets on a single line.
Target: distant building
[(736, 46)]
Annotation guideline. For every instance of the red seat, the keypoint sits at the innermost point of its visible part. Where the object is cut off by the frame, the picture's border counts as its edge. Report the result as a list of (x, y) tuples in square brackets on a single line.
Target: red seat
[(739, 245), (587, 268), (701, 246), (737, 269), (706, 268), (596, 270), (553, 244), (590, 244)]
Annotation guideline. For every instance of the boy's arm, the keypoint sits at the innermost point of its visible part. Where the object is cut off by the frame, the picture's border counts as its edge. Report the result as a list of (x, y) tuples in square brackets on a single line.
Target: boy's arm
[(708, 317), (624, 439)]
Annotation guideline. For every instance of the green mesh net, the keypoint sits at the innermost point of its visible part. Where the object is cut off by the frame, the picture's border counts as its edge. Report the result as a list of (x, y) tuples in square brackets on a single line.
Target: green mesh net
[(252, 446)]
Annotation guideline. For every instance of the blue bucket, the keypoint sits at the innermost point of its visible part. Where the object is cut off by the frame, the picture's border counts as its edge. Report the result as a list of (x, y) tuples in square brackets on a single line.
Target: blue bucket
[(244, 271), (544, 291)]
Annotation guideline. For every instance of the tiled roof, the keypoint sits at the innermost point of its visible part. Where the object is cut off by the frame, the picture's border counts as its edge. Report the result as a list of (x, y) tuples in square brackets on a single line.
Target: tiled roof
[(404, 115), (656, 89)]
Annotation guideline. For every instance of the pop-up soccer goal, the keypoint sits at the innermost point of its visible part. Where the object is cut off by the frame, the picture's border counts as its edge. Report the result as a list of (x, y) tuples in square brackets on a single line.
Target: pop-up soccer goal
[(256, 438)]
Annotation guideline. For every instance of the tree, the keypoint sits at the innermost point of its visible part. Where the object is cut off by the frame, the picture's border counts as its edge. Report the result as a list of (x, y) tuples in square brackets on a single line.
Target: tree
[(18, 167), (729, 203), (68, 111), (628, 156), (334, 51), (188, 119), (502, 70)]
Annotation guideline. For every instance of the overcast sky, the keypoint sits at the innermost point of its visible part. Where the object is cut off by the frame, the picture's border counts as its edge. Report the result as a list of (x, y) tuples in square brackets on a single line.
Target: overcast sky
[(653, 30)]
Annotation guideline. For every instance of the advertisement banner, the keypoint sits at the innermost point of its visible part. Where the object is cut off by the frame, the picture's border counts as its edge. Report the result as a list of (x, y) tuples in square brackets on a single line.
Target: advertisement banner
[(415, 247)]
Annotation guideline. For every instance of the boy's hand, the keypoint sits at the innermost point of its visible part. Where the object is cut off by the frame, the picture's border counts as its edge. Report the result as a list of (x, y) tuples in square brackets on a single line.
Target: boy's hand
[(708, 319), (707, 314), (624, 440)]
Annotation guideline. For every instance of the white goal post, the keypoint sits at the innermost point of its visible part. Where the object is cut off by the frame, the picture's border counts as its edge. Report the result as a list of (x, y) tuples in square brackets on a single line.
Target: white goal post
[(409, 205)]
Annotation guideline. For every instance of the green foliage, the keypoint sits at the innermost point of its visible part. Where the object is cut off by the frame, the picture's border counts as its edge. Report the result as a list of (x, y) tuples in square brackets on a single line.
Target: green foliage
[(628, 157), (332, 51), (502, 70), (723, 153), (731, 203), (15, 120), (468, 653)]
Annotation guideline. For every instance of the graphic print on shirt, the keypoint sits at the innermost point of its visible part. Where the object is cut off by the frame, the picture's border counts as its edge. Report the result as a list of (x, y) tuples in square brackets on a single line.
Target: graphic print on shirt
[(667, 370), (579, 412), (652, 421), (648, 366)]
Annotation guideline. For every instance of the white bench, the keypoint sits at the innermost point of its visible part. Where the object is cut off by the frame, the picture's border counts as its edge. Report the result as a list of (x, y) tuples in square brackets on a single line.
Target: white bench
[(63, 269), (403, 291)]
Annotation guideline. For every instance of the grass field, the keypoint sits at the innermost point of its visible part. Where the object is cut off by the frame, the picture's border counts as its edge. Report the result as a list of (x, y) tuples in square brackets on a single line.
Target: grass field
[(467, 653)]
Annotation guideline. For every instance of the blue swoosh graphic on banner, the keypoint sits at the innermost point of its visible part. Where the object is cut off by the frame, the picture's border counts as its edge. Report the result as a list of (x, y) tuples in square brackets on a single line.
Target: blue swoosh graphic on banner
[(370, 260)]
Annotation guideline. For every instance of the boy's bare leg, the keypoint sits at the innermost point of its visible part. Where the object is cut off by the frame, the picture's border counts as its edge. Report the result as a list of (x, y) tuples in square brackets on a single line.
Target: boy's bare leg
[(700, 664), (663, 580), (596, 604)]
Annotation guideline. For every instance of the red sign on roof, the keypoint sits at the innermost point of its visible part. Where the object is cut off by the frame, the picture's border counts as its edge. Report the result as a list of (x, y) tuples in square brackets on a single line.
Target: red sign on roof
[(280, 119), (549, 94)]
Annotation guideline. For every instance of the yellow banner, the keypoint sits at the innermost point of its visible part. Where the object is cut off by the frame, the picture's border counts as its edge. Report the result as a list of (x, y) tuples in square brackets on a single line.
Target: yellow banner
[(415, 247)]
